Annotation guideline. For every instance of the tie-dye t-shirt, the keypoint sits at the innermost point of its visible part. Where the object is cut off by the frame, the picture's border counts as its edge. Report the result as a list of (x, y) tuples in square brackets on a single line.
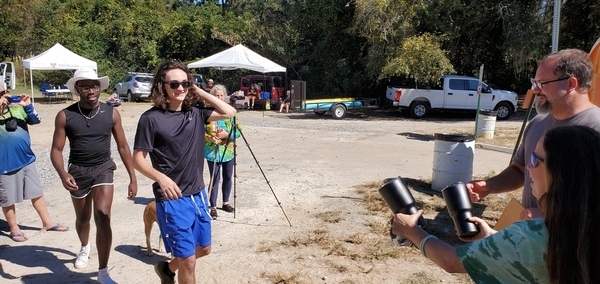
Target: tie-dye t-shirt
[(220, 153), (516, 254)]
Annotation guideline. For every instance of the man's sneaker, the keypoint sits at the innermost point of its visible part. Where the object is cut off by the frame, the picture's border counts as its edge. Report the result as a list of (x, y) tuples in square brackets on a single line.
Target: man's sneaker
[(159, 268), (104, 278), (83, 257)]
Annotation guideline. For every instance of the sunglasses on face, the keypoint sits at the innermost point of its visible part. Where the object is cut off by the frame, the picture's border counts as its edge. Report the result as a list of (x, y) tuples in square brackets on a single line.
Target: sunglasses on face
[(540, 85), (92, 88), (175, 84), (535, 160)]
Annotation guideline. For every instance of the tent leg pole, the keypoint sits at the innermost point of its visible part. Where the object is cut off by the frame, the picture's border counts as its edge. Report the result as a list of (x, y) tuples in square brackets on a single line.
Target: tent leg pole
[(31, 82)]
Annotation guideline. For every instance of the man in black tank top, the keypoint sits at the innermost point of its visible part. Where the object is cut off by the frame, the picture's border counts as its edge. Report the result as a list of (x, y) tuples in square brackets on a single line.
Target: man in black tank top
[(89, 125)]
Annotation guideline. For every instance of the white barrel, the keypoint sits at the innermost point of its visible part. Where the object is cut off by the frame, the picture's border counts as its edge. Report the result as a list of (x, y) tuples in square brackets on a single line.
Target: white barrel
[(452, 159), (486, 123)]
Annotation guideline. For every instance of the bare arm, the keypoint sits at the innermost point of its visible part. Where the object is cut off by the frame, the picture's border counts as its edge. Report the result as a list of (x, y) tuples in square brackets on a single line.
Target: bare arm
[(58, 144), (125, 153), (222, 109), (511, 178), (168, 186), (443, 254)]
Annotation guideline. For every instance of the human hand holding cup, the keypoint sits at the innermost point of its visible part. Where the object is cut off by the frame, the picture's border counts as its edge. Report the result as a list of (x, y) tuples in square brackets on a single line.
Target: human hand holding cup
[(399, 200), (460, 209)]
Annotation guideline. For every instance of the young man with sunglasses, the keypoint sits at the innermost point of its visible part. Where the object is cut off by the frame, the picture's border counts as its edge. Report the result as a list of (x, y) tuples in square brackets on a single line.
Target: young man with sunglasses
[(19, 178), (89, 125), (171, 133), (561, 85)]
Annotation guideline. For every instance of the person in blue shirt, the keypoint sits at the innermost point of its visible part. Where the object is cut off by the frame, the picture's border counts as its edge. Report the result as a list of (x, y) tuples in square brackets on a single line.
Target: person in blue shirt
[(19, 178)]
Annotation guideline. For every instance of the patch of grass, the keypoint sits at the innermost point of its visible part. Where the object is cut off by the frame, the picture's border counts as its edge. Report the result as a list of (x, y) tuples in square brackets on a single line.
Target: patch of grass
[(355, 239), (381, 249), (503, 137), (319, 237), (265, 247), (281, 277), (420, 278), (330, 216), (379, 228), (339, 268)]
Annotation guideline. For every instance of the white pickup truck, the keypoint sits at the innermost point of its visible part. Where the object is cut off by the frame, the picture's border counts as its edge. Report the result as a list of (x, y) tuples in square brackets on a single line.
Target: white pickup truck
[(456, 93)]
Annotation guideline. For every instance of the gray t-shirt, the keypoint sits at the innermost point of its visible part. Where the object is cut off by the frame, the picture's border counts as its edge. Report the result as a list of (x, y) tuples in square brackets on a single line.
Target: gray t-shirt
[(536, 130)]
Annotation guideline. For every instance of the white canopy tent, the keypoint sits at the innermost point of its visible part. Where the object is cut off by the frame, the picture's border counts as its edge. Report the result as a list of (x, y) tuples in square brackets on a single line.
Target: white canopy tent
[(57, 57), (238, 57)]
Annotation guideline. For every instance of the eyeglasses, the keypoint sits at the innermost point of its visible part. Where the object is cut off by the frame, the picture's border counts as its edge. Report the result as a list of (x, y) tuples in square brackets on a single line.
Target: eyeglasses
[(540, 85), (535, 160), (92, 88), (175, 84)]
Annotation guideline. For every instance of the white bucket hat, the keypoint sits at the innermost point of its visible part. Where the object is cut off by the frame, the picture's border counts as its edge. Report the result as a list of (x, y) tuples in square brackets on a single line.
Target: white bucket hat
[(86, 74)]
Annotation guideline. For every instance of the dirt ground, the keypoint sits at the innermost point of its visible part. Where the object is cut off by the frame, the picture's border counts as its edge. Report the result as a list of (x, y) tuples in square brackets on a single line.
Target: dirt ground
[(299, 217)]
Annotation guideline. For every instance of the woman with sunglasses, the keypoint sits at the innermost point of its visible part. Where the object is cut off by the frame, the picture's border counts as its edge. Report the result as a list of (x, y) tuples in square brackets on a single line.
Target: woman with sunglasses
[(562, 247), (169, 133)]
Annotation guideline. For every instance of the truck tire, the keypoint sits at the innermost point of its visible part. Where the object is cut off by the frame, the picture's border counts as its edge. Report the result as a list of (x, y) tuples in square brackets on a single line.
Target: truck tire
[(419, 109), (504, 110), (319, 112), (338, 111)]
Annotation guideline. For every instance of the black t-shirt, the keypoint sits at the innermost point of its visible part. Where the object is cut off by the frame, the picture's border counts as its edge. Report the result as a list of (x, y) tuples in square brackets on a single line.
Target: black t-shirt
[(174, 141), (89, 139)]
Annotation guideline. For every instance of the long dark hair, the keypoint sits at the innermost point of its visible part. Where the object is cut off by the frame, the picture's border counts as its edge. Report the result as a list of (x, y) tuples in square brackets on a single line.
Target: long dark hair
[(573, 212), (158, 92)]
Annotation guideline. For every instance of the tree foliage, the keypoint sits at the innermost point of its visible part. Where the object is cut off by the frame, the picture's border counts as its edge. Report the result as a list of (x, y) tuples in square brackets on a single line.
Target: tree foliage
[(340, 47), (421, 58)]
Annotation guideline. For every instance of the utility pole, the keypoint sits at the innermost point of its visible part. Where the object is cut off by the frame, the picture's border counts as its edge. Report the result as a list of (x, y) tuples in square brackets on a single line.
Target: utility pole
[(555, 25)]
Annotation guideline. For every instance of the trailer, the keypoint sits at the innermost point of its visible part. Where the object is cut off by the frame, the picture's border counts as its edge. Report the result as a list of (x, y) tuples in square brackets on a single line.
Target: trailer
[(337, 107)]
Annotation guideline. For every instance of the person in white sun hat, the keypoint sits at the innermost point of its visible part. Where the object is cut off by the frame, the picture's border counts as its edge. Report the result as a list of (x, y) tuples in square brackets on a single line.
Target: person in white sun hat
[(89, 125)]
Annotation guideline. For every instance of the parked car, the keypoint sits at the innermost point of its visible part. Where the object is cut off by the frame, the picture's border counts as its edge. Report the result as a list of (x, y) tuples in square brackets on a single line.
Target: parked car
[(453, 93), (199, 80), (134, 87)]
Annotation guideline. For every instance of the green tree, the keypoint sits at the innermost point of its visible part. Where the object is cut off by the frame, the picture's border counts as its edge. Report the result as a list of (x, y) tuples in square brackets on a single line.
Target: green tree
[(421, 58)]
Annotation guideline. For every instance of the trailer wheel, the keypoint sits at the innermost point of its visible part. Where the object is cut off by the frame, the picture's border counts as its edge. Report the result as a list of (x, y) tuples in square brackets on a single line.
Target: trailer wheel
[(338, 111), (419, 109), (319, 112)]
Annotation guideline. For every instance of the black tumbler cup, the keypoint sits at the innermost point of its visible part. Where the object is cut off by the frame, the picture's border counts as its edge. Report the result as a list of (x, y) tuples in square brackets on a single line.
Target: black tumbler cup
[(399, 199), (460, 209)]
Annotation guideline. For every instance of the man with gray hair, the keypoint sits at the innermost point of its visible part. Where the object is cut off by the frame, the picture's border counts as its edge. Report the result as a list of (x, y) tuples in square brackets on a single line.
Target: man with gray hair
[(561, 85)]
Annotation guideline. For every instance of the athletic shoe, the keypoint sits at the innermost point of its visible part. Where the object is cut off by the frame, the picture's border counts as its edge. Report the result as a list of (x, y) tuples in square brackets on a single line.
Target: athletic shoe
[(82, 258), (104, 278), (213, 213), (159, 268)]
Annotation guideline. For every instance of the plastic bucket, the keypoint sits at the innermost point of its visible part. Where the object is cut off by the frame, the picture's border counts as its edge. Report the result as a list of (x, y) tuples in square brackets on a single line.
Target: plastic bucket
[(486, 123), (452, 159)]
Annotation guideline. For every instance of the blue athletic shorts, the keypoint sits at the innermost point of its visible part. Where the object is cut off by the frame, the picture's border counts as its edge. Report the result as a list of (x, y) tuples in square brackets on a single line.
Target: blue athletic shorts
[(184, 224)]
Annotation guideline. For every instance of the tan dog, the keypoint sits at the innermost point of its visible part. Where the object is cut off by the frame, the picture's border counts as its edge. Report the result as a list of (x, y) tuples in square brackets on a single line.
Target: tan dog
[(149, 219)]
